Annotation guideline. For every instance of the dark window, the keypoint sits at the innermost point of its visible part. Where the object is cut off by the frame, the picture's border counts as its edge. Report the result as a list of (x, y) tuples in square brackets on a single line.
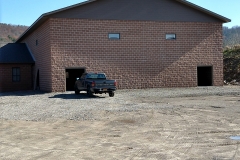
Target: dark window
[(114, 36), (36, 42), (96, 76), (170, 36), (16, 74)]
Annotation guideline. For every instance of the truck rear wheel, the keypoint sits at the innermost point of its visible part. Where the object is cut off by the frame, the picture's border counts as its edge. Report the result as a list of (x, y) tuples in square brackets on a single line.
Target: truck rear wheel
[(89, 93), (76, 91), (111, 94)]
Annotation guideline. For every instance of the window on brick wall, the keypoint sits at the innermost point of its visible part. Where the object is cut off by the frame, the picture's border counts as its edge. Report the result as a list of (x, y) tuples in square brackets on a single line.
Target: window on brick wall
[(16, 77), (171, 36), (113, 35), (36, 42)]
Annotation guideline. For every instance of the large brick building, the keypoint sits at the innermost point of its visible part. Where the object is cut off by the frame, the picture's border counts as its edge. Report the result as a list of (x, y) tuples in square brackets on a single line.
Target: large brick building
[(140, 43)]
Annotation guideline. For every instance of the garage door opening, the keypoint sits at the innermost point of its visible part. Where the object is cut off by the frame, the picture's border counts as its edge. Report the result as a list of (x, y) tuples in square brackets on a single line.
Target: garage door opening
[(71, 75), (205, 76)]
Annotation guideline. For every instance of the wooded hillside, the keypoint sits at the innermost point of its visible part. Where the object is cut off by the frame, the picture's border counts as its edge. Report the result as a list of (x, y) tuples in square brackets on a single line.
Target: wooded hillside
[(9, 33), (232, 64), (231, 55), (231, 36)]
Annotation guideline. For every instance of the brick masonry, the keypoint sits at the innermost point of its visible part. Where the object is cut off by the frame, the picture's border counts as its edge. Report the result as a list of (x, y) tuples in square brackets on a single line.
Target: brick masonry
[(142, 58), (6, 83), (42, 54)]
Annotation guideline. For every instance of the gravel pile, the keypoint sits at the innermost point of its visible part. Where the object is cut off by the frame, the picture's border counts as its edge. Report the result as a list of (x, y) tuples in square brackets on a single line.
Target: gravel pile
[(39, 106)]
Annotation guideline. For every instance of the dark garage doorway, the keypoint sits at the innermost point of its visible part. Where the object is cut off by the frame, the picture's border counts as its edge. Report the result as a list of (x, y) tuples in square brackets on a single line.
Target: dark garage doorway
[(71, 75), (205, 76)]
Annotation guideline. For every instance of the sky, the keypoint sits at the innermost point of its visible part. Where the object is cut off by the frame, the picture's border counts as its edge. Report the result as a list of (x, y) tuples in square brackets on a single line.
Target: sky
[(26, 12)]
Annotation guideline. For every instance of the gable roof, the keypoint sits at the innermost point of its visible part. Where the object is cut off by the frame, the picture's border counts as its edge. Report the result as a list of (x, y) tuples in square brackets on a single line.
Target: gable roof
[(16, 53), (199, 8), (119, 10)]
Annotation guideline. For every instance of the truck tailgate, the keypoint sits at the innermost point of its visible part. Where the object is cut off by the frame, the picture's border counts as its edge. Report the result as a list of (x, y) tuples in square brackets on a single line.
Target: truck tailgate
[(105, 83)]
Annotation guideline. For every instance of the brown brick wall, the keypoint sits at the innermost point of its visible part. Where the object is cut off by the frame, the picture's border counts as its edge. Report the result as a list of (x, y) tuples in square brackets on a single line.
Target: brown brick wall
[(6, 84), (142, 58), (42, 55)]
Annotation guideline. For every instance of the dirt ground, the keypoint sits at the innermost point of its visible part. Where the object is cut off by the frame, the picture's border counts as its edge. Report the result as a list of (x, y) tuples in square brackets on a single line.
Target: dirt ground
[(189, 128)]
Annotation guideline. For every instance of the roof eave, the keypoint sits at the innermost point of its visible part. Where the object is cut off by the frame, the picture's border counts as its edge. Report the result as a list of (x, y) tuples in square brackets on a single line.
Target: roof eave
[(222, 18), (39, 21), (69, 7), (45, 16), (17, 62)]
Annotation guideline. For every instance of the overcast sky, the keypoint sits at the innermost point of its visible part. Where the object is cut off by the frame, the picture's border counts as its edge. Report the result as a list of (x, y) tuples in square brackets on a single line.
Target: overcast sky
[(25, 12)]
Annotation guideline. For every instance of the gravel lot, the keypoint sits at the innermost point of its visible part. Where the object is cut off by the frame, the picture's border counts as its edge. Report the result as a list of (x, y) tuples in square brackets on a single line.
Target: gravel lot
[(39, 106), (176, 123)]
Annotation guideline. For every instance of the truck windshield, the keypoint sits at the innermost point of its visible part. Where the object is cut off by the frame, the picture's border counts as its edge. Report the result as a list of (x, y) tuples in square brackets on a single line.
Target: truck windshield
[(96, 76)]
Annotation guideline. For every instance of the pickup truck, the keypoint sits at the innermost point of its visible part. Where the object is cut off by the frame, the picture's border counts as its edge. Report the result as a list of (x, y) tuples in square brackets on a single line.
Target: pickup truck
[(95, 83)]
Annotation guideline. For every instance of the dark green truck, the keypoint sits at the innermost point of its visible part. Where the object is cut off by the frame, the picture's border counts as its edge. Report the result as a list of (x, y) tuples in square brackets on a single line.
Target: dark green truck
[(95, 83)]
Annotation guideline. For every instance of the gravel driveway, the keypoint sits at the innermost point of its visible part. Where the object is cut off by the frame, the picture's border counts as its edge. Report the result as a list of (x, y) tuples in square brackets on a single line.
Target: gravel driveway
[(176, 123), (39, 106)]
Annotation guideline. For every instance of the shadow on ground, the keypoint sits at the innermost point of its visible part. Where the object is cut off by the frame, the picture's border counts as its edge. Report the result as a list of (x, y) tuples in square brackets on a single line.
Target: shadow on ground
[(23, 93), (61, 95), (74, 96)]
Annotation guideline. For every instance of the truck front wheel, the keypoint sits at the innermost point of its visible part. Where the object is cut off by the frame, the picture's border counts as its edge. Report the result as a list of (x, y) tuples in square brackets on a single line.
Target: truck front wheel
[(111, 94)]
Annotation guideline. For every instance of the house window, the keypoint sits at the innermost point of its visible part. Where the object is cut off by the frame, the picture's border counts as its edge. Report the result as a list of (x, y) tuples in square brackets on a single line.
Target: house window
[(16, 74), (114, 36), (36, 42), (170, 36)]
